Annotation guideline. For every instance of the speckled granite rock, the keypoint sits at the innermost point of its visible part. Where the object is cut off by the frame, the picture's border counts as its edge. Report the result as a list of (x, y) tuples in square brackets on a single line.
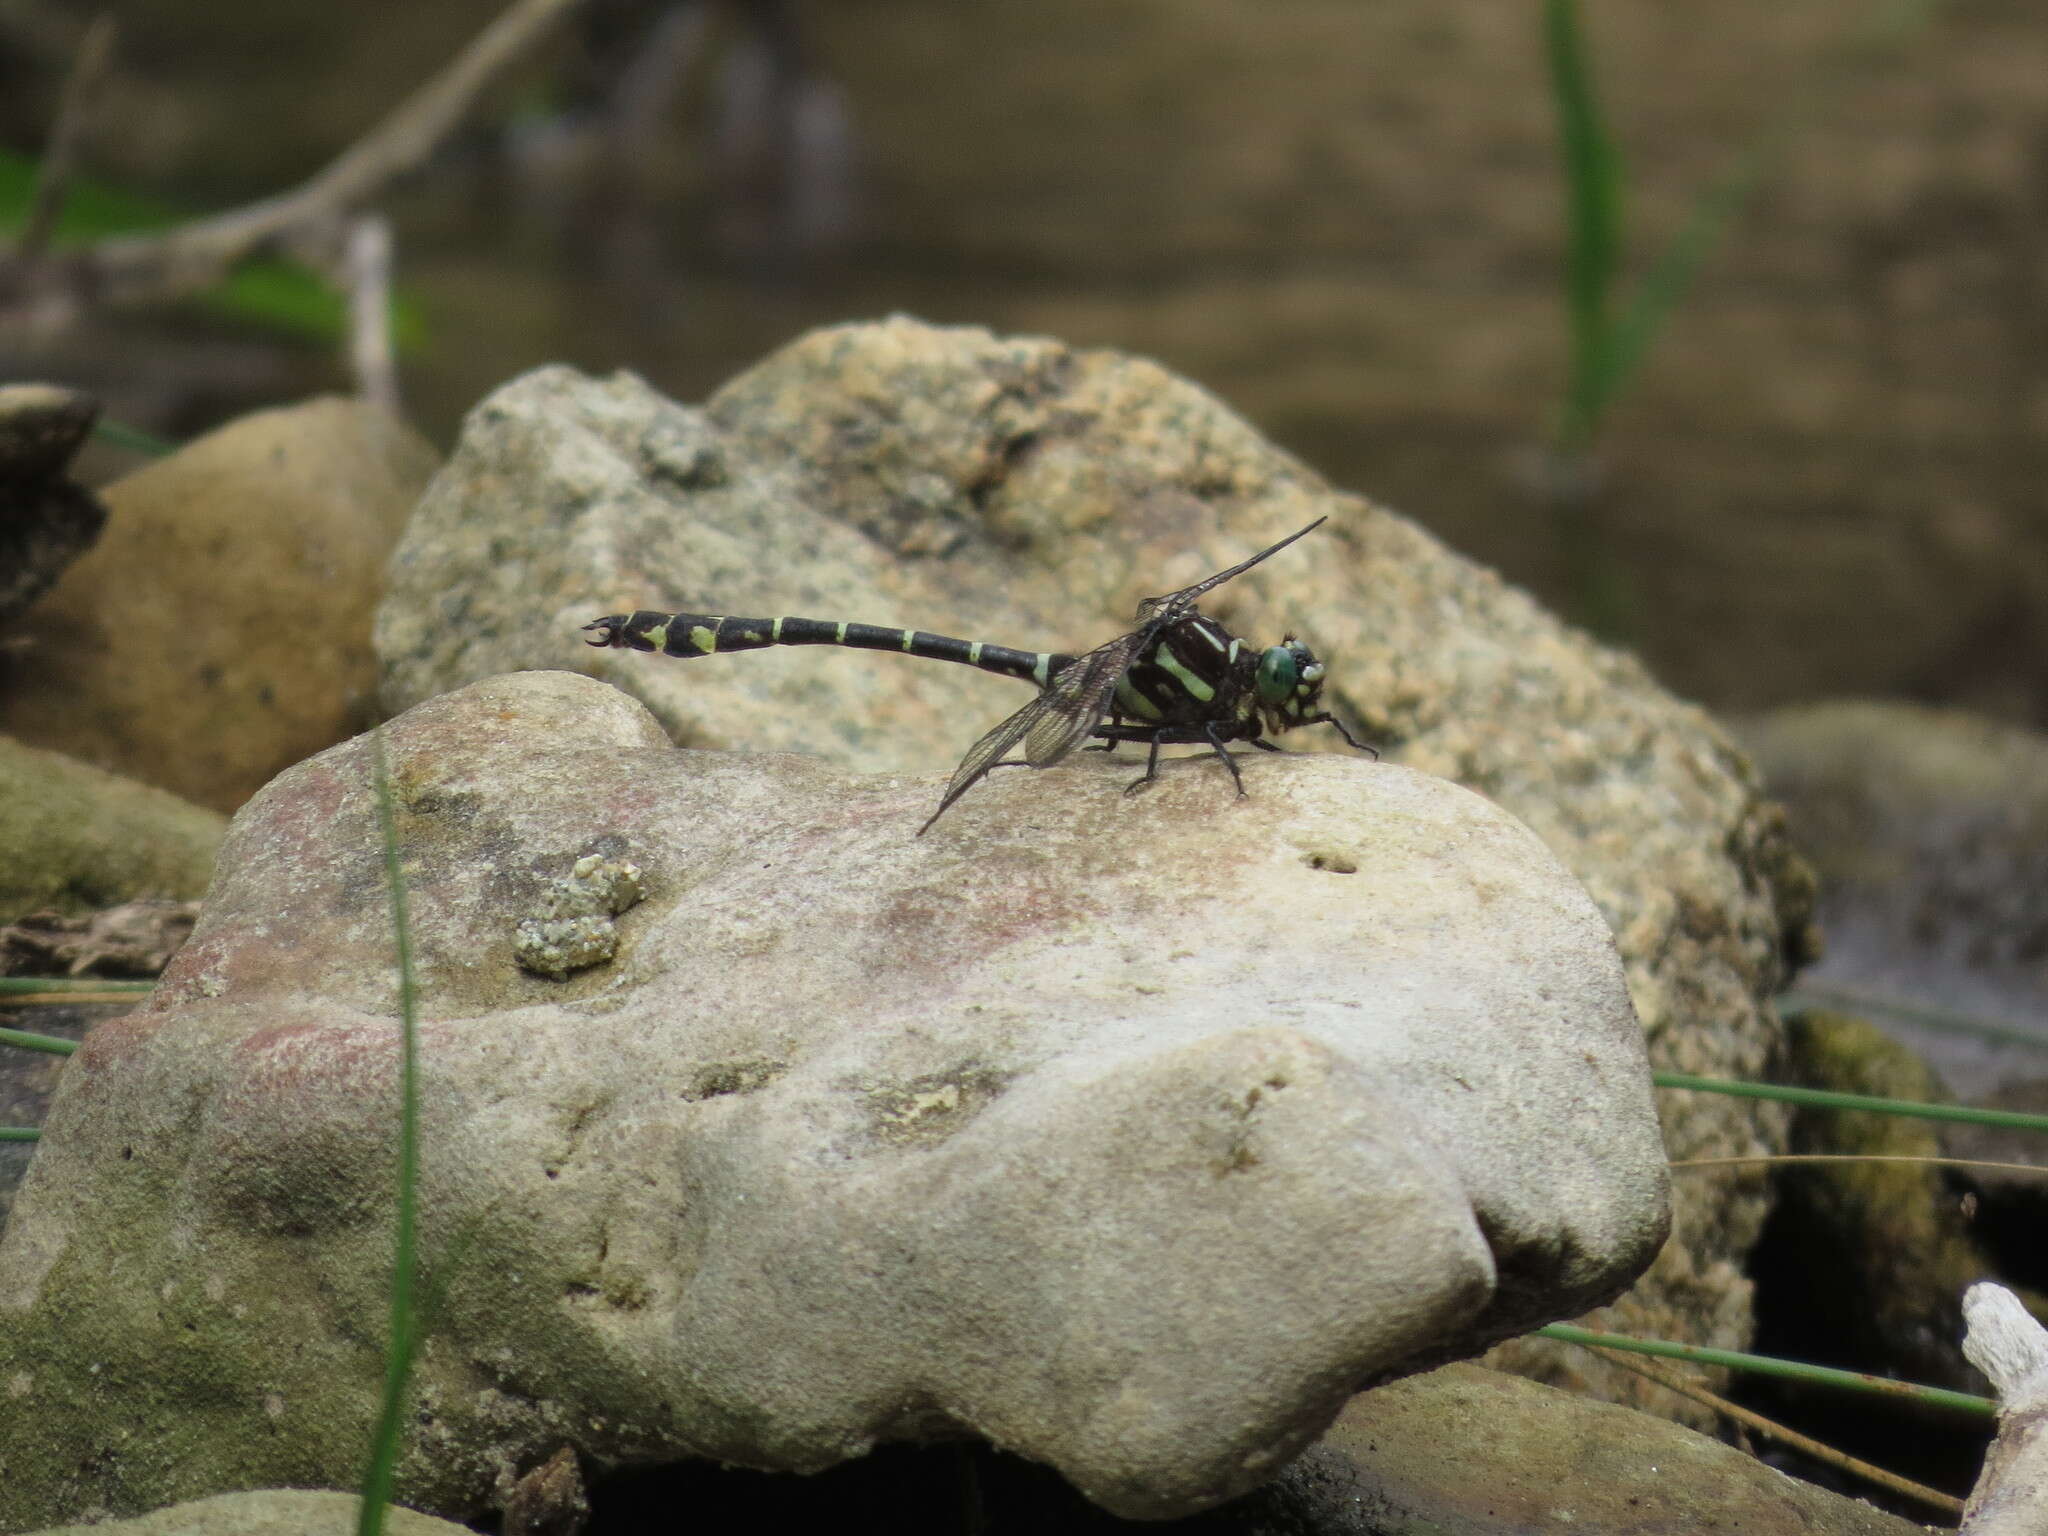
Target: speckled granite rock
[(1012, 1130)]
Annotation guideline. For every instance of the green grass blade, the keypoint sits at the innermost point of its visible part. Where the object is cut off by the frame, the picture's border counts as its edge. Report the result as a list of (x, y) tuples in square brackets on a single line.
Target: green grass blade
[(379, 1473), (20, 1133), (1665, 284), (1766, 1365), (55, 1045), (1592, 170), (1824, 1098), (1880, 1005), (119, 434)]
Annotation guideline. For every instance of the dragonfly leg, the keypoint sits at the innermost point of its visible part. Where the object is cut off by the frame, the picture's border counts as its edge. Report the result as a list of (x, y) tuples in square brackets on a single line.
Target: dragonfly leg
[(1326, 718), (1209, 730), (1266, 746), (1151, 771), (1109, 742)]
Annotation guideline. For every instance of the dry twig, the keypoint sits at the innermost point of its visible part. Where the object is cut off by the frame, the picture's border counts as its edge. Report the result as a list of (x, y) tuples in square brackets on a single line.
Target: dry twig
[(367, 280), (153, 268), (2007, 1345), (1684, 1386)]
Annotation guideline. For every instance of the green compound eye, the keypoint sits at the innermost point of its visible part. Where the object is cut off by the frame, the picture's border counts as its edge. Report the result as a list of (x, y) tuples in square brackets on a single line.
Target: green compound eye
[(1278, 673)]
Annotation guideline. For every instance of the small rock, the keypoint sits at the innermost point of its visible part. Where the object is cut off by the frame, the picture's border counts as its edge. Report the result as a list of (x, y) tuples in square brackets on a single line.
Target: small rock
[(548, 1501), (1471, 1451), (75, 840), (219, 631), (573, 929), (264, 1512), (46, 520)]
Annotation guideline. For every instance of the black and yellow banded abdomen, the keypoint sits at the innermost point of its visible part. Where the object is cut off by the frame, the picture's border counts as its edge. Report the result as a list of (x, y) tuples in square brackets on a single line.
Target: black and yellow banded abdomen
[(703, 634)]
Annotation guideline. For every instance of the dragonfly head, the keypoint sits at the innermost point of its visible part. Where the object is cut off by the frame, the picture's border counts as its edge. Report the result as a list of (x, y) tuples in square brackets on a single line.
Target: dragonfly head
[(1289, 684)]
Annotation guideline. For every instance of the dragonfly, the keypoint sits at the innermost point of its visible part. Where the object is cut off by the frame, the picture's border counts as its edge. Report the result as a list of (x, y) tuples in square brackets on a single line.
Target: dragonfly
[(1177, 678)]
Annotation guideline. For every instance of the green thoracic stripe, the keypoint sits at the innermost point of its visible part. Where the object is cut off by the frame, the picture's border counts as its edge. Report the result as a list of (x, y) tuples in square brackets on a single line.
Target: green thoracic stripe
[(1134, 703), (1195, 687)]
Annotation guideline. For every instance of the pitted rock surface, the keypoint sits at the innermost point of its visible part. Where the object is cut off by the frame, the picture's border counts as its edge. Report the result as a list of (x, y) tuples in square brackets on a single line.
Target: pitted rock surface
[(1017, 490), (264, 1512), (1131, 1134)]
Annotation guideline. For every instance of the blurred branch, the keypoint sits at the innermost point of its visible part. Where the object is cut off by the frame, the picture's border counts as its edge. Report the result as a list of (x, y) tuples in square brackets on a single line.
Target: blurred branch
[(53, 176), (367, 268), (154, 268)]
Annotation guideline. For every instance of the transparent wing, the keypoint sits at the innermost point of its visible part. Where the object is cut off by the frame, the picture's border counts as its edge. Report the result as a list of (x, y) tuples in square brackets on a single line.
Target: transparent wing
[(1052, 724), (1075, 702), (1155, 613)]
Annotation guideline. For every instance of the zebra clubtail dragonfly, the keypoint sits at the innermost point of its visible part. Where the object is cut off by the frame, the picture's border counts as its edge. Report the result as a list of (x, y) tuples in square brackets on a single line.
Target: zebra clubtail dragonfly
[(1178, 679)]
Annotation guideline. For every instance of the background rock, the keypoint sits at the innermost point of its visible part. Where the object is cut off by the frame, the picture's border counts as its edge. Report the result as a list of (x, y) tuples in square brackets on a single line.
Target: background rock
[(74, 839), (1930, 832), (1474, 1452), (46, 521), (218, 632), (1017, 490), (1012, 1130), (1864, 1265)]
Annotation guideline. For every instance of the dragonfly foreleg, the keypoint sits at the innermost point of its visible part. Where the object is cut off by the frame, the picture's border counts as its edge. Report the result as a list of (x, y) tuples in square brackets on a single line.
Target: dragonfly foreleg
[(1326, 718)]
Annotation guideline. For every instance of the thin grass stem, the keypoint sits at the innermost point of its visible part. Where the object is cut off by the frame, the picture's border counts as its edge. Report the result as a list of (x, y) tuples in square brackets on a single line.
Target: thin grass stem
[(1766, 1365), (1927, 1015), (1819, 1450), (1856, 1157), (1825, 1098), (381, 1470)]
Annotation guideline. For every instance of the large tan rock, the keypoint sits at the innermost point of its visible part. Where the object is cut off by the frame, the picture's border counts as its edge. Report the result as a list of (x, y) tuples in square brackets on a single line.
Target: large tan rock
[(1018, 490), (219, 630), (1131, 1135)]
